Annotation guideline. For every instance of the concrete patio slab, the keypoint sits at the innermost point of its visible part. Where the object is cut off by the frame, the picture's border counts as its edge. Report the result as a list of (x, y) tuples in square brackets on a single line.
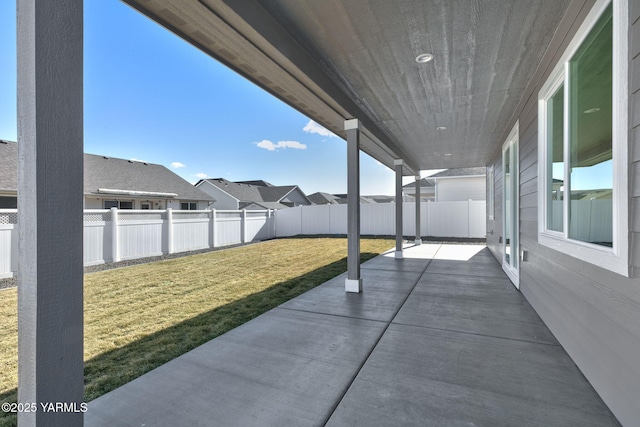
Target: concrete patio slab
[(282, 368), (423, 377), (439, 338)]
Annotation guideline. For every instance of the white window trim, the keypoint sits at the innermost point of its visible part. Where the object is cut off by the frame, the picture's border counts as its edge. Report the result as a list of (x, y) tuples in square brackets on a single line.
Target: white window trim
[(492, 192), (615, 259), (513, 140)]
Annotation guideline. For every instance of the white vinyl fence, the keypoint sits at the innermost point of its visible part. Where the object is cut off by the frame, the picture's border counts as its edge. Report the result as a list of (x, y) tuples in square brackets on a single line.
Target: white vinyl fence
[(119, 235), (437, 219)]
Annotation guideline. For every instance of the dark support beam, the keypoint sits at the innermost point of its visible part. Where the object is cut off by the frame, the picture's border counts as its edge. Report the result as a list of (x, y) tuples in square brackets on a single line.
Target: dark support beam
[(398, 163), (418, 240), (353, 283), (50, 203)]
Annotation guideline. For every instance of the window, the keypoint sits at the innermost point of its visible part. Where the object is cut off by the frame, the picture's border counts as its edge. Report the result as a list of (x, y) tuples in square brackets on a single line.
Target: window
[(108, 204), (145, 206), (491, 191), (582, 153), (189, 206)]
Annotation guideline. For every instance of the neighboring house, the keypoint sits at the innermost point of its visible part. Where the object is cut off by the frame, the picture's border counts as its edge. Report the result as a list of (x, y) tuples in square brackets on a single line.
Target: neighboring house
[(8, 174), (111, 182), (341, 199), (450, 185), (252, 195), (321, 198)]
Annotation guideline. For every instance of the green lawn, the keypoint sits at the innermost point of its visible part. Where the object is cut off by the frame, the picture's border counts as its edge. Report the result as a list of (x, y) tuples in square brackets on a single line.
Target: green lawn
[(139, 317)]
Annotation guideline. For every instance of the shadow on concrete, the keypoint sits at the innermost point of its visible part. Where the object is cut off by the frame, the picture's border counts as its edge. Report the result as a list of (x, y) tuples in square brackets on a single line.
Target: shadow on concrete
[(117, 367)]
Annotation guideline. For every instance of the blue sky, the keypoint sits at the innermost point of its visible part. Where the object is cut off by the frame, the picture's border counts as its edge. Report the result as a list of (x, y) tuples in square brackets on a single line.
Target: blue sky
[(150, 96)]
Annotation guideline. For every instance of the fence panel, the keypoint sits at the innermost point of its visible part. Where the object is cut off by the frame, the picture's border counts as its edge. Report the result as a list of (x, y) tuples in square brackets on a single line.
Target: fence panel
[(97, 237), (316, 219), (449, 219), (288, 222), (8, 242), (191, 230), (228, 228), (141, 234), (257, 225), (477, 219), (377, 219)]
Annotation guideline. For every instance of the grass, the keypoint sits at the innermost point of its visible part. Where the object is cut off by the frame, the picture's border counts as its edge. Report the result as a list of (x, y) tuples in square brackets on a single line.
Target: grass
[(139, 317)]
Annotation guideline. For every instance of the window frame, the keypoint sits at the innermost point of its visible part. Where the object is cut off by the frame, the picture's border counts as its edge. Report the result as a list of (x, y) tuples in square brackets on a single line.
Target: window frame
[(616, 258), (491, 191), (119, 203), (189, 203)]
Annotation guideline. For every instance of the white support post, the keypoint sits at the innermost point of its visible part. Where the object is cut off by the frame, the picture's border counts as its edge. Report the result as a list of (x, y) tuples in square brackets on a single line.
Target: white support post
[(399, 246), (115, 236), (353, 282), (50, 196), (243, 226), (212, 236), (418, 240), (169, 230)]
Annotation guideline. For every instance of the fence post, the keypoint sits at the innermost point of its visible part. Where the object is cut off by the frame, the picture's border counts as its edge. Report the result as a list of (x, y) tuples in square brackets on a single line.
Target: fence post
[(469, 218), (274, 223), (169, 230), (115, 250), (212, 233), (429, 216), (243, 227)]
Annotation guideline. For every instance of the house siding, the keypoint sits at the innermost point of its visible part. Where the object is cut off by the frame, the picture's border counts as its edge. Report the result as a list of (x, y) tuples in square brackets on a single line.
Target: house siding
[(297, 198), (461, 189), (594, 313), (222, 199)]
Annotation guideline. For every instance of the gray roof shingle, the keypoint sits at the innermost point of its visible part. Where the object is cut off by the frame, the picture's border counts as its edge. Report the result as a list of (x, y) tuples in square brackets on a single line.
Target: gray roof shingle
[(110, 173), (9, 166), (248, 191)]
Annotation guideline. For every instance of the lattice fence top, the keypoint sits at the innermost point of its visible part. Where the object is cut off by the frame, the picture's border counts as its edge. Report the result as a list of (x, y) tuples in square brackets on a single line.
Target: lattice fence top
[(228, 215), (8, 218), (97, 217)]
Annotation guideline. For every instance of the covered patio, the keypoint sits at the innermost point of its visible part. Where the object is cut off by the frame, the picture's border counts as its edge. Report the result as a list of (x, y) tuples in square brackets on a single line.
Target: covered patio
[(439, 338), (415, 336)]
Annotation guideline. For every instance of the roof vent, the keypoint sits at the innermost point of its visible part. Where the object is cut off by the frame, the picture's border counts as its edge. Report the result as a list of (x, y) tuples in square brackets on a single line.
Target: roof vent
[(105, 157), (130, 161)]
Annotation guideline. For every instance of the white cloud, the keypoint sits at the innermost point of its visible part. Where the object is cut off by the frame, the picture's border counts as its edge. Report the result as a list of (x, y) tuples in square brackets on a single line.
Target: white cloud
[(292, 144), (266, 144), (177, 165), (313, 127), (270, 146), (202, 175)]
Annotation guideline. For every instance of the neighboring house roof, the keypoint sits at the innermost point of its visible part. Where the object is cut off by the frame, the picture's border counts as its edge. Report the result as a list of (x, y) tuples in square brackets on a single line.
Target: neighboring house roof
[(9, 166), (342, 199), (425, 183), (262, 205), (258, 182), (320, 198), (254, 191), (381, 198), (459, 172), (449, 173), (112, 176)]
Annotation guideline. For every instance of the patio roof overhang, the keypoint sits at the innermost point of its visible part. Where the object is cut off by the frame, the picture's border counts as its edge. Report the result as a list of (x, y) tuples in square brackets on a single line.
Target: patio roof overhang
[(340, 59)]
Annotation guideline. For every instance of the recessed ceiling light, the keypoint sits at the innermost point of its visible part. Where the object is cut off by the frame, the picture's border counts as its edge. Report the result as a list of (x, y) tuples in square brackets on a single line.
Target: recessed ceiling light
[(591, 110), (441, 127), (448, 154), (424, 58)]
